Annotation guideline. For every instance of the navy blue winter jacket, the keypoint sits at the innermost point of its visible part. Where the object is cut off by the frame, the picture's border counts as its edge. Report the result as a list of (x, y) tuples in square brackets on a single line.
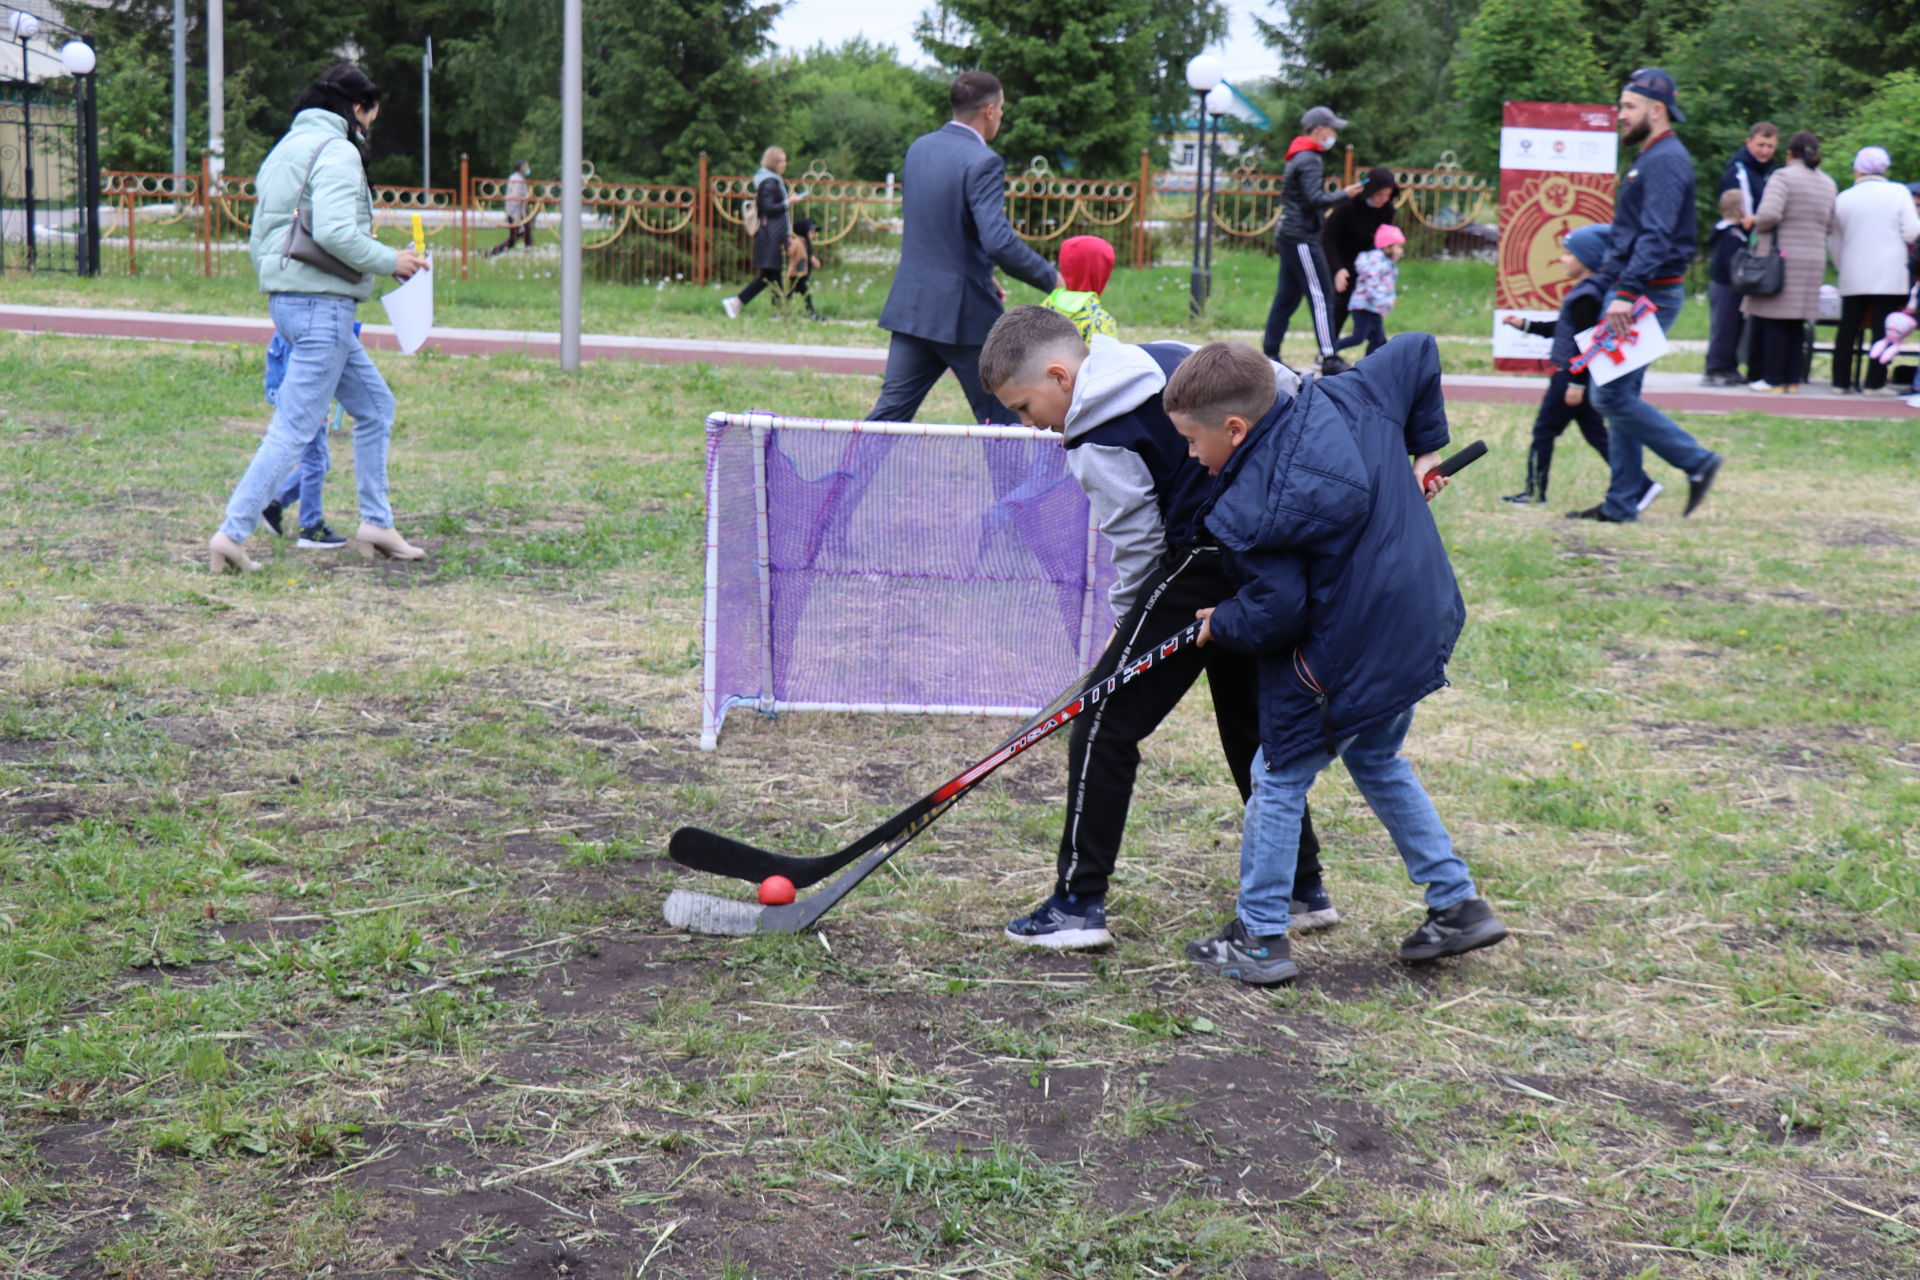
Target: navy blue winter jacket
[(1653, 220), (1345, 591), (1579, 311)]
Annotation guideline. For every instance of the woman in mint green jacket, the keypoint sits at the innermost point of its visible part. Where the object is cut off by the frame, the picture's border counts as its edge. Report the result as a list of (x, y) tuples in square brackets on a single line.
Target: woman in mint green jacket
[(319, 168)]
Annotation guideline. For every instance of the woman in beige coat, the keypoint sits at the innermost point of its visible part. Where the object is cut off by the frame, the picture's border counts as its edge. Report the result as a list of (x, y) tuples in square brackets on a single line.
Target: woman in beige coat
[(1796, 213)]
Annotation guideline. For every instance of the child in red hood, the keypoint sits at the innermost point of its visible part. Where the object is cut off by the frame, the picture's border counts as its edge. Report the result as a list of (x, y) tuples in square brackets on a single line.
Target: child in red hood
[(1086, 264)]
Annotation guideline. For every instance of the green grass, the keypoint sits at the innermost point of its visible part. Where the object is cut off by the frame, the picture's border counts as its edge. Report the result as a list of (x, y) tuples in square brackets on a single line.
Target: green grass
[(329, 931)]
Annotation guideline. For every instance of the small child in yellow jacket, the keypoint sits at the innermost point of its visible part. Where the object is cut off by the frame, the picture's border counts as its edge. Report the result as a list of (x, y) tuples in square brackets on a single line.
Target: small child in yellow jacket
[(1086, 264)]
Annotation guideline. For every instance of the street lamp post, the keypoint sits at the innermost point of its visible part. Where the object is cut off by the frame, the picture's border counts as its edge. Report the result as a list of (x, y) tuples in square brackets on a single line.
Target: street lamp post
[(1203, 73), (1219, 100), (25, 27)]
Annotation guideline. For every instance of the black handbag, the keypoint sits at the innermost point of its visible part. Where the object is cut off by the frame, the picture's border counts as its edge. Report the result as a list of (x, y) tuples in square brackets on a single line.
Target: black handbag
[(1759, 275), (302, 247)]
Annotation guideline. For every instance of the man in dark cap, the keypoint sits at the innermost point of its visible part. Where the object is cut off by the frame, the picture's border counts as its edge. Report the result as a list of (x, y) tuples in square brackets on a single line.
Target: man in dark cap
[(1304, 201), (1653, 242)]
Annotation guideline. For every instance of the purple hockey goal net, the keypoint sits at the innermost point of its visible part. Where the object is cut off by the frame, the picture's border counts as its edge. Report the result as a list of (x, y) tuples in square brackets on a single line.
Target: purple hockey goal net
[(890, 566)]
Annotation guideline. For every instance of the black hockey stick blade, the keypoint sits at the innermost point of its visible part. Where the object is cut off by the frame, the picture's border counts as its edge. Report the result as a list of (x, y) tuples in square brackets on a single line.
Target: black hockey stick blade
[(705, 913), (721, 855)]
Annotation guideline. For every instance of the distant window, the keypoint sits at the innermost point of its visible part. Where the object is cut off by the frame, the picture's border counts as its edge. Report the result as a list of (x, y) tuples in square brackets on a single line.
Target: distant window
[(1185, 154)]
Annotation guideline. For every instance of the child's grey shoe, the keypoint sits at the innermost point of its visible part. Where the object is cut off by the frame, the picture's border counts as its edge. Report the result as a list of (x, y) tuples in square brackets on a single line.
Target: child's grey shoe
[(1455, 930), (1235, 953), (1312, 909), (1065, 922)]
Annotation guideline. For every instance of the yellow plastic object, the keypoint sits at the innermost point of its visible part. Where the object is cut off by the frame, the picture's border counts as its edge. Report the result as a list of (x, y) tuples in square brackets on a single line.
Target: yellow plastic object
[(419, 236)]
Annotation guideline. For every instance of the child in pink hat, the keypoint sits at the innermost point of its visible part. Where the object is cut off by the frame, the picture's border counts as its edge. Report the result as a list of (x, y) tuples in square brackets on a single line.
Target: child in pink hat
[(1376, 281)]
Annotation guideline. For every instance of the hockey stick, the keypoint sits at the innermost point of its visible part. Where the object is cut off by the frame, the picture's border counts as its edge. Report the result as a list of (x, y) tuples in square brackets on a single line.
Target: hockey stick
[(708, 851), (1471, 454)]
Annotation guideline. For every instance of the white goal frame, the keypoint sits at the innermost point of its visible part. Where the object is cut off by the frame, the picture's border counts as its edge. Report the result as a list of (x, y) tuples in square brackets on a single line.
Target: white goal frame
[(713, 704)]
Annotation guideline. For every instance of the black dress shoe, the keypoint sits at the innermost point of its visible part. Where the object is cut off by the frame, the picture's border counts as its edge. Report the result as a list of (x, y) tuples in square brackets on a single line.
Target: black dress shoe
[(1594, 513)]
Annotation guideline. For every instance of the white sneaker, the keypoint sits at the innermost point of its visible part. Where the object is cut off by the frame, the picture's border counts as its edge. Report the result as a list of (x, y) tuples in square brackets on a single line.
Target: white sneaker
[(1653, 490), (1912, 402), (1759, 384), (731, 306)]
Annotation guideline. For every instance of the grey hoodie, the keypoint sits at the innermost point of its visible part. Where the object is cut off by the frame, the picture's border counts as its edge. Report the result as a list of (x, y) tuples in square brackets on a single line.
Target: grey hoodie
[(1144, 489)]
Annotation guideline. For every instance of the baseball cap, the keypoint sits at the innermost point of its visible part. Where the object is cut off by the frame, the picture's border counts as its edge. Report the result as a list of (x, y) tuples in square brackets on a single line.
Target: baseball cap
[(1589, 243), (1318, 116), (1652, 82)]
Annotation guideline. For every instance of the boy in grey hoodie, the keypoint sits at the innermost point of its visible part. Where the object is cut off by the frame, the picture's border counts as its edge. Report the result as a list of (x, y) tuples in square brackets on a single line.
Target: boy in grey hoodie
[(1147, 493)]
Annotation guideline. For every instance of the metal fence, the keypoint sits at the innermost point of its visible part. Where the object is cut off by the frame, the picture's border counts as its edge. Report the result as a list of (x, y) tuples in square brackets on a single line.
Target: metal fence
[(49, 204), (660, 233)]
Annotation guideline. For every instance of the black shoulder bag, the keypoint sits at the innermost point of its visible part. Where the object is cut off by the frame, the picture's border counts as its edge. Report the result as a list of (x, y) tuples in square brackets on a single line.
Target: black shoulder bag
[(1756, 274)]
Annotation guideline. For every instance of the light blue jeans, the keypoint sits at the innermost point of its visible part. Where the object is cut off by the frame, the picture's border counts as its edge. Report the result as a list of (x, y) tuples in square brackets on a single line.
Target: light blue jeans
[(328, 363), (1633, 425), (304, 484), (1270, 836)]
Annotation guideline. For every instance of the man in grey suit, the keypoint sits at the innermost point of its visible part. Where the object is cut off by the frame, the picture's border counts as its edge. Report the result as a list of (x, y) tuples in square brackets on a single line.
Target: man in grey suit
[(944, 297)]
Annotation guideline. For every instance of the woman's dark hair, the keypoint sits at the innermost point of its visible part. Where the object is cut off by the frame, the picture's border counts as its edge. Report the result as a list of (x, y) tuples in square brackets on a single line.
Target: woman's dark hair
[(1805, 148), (805, 226), (339, 89)]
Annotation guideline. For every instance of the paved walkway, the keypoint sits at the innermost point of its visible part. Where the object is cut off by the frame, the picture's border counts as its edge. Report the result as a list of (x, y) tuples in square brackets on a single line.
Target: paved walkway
[(1675, 392)]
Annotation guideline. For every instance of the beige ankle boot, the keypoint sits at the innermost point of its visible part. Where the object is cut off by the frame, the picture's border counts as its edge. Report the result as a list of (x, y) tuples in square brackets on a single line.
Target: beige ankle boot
[(386, 544), (224, 555)]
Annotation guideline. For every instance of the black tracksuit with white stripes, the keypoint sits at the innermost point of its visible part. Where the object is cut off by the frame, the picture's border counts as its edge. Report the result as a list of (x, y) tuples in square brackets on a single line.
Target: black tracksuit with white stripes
[(1147, 494), (1103, 751)]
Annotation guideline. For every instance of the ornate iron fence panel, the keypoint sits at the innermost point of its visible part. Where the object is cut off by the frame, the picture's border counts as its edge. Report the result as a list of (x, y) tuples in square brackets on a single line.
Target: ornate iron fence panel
[(49, 176)]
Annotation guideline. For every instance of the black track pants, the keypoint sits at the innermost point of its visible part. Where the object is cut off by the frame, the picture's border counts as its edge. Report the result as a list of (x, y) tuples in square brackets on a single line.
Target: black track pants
[(1103, 749)]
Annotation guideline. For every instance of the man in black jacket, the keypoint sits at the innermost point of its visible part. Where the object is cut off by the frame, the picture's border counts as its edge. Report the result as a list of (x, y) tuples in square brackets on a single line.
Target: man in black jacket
[(1748, 168), (1304, 201)]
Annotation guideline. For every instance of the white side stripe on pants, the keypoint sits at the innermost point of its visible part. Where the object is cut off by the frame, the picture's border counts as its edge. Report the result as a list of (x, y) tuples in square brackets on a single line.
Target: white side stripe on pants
[(1077, 803), (1322, 318)]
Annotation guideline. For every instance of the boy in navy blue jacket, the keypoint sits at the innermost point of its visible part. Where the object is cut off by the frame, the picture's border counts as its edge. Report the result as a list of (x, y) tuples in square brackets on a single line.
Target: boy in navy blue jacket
[(1346, 597), (1147, 494)]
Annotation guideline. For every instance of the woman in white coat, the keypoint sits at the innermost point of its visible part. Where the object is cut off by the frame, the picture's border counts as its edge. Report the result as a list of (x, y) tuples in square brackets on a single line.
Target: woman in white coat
[(1874, 223)]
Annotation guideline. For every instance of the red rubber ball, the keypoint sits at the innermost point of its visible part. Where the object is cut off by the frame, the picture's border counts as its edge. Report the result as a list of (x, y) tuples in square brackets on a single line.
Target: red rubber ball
[(776, 891)]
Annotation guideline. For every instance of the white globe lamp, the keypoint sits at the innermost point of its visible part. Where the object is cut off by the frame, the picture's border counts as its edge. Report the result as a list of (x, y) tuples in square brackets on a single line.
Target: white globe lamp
[(23, 24), (1219, 100), (77, 56), (1204, 71)]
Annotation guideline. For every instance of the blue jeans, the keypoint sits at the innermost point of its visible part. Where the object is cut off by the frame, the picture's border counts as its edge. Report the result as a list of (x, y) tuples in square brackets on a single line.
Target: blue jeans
[(1270, 837), (1633, 425), (304, 485), (328, 363)]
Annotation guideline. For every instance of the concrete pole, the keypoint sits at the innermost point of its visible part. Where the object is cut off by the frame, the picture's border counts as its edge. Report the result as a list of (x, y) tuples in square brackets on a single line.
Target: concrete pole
[(179, 86), (570, 184), (217, 86), (426, 115)]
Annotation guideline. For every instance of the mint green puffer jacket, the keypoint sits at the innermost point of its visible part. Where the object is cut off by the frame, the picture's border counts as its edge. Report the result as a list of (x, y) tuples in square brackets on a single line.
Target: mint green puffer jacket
[(338, 197)]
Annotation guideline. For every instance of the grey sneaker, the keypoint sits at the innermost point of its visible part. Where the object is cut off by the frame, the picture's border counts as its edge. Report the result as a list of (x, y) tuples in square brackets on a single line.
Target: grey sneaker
[(1065, 922), (1312, 908), (1455, 930), (1235, 953)]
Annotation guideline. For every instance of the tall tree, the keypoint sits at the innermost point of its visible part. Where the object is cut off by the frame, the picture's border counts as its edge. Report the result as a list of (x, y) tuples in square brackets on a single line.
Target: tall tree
[(1074, 72), (1520, 51), (665, 80), (1380, 63), (855, 108), (1179, 32)]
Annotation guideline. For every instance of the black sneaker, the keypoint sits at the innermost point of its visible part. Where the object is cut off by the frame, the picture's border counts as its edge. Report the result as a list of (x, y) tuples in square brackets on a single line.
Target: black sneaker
[(1312, 908), (1451, 931), (271, 513), (1064, 921), (1518, 499), (1700, 482), (321, 537), (1594, 513), (1330, 365), (1235, 953)]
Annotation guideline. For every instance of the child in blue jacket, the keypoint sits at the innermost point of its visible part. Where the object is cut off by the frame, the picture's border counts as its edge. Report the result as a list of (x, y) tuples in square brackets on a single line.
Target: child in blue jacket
[(1346, 597)]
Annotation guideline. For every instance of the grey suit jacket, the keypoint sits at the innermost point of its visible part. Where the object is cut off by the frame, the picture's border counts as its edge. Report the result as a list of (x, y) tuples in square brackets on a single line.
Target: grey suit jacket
[(954, 205)]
